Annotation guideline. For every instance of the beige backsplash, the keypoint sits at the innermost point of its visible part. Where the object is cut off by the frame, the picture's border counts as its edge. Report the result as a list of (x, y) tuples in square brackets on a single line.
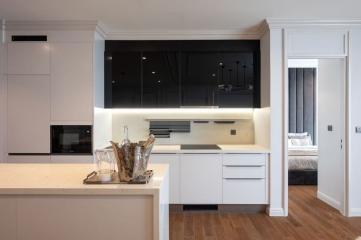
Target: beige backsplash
[(201, 133)]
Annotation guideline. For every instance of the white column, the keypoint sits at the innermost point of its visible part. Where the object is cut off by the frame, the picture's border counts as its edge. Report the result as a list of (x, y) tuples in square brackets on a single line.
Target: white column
[(354, 120), (278, 205)]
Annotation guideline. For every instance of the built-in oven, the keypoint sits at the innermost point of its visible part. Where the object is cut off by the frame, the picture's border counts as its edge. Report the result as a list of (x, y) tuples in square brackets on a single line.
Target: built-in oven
[(71, 139)]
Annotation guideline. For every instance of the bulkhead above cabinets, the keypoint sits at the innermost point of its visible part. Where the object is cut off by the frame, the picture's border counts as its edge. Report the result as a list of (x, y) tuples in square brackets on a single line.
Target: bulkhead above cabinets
[(173, 74)]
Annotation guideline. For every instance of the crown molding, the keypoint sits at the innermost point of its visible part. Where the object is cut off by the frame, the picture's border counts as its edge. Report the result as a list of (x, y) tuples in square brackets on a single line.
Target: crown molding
[(286, 23), (182, 35), (101, 29), (81, 25), (108, 34)]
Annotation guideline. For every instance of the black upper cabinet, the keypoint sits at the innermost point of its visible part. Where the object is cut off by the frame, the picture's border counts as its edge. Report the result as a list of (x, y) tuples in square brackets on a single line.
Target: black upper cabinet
[(165, 74), (199, 78), (236, 80), (160, 79), (125, 69)]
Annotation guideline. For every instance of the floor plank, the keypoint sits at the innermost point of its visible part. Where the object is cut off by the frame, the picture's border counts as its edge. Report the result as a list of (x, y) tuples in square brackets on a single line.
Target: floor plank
[(309, 218)]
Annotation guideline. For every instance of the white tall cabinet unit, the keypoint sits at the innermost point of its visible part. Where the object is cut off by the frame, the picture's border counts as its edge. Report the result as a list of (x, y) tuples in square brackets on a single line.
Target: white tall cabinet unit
[(71, 82), (28, 113), (48, 83), (28, 101)]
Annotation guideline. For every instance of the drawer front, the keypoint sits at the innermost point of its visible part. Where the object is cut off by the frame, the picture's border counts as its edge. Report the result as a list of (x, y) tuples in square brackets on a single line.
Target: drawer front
[(257, 172), (244, 159), (244, 191)]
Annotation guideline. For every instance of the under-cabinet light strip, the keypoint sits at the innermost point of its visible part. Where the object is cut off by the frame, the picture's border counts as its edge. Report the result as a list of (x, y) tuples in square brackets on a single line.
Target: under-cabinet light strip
[(183, 110)]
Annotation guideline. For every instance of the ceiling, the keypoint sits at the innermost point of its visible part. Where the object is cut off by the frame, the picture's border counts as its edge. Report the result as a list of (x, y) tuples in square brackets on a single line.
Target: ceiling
[(178, 15)]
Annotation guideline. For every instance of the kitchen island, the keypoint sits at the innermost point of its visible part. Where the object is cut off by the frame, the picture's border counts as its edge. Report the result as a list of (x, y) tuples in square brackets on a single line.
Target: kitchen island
[(50, 201)]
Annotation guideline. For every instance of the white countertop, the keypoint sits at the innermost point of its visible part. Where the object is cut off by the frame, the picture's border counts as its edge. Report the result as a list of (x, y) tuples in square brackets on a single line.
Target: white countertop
[(225, 148), (67, 179)]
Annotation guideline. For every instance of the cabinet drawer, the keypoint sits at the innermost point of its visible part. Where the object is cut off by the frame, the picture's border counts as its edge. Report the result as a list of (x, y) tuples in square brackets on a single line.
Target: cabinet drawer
[(244, 159), (244, 191), (244, 172)]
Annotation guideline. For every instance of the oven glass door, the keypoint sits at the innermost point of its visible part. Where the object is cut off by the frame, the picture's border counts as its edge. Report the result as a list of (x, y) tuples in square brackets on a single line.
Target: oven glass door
[(71, 139)]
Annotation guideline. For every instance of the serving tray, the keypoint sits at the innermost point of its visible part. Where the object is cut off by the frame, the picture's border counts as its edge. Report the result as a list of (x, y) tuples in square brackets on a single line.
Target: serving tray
[(93, 178)]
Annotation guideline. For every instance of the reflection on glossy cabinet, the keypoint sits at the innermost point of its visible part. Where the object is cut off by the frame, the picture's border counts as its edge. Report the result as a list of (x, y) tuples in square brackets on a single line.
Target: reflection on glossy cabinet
[(174, 170), (71, 82), (160, 79), (200, 71), (125, 74), (28, 58)]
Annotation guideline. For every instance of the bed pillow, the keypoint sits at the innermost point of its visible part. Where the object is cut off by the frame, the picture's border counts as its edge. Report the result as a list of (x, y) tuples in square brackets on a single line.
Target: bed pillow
[(307, 141), (297, 135)]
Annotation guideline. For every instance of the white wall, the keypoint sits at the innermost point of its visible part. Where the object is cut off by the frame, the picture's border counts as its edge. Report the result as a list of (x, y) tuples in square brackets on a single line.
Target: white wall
[(261, 121), (331, 80), (208, 133), (2, 98), (354, 138), (314, 39)]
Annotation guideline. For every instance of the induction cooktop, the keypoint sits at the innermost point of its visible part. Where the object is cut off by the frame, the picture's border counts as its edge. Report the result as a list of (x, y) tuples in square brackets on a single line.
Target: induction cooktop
[(200, 147)]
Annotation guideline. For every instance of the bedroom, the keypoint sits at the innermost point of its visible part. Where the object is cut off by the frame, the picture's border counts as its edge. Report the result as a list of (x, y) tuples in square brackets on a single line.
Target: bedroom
[(316, 128)]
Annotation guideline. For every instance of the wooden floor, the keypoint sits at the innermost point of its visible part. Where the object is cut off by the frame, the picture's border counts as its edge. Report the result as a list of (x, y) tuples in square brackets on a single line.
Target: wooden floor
[(309, 218)]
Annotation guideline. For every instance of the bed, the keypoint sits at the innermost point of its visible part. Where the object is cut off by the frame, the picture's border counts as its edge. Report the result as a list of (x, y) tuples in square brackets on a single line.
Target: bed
[(302, 164)]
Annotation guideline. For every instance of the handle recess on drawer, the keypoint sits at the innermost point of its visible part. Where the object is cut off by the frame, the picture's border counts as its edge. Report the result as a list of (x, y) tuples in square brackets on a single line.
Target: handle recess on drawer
[(244, 159), (244, 172)]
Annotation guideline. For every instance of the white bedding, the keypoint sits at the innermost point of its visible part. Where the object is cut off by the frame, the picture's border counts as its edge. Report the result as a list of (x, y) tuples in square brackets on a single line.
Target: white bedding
[(302, 157), (310, 150)]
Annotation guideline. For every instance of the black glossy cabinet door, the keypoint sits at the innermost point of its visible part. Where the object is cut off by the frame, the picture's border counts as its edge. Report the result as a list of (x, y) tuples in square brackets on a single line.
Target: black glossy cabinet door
[(199, 78), (125, 79), (235, 80), (172, 74), (160, 80)]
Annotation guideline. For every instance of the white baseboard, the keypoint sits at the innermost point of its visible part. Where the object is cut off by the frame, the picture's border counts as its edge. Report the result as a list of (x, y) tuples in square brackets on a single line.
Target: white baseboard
[(329, 200), (276, 212), (355, 212)]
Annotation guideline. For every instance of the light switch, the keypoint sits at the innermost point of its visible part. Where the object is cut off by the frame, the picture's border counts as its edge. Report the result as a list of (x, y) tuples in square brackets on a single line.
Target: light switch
[(329, 128), (358, 129)]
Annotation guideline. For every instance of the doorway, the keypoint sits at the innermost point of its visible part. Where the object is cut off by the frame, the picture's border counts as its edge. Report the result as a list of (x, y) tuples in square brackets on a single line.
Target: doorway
[(316, 128)]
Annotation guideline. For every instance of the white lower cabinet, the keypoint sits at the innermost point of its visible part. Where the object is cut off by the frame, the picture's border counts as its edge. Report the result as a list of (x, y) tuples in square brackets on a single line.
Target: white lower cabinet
[(174, 169), (216, 178), (201, 178), (245, 179)]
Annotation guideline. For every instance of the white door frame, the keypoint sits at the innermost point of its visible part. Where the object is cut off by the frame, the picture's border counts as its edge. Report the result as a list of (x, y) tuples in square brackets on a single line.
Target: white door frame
[(345, 206)]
